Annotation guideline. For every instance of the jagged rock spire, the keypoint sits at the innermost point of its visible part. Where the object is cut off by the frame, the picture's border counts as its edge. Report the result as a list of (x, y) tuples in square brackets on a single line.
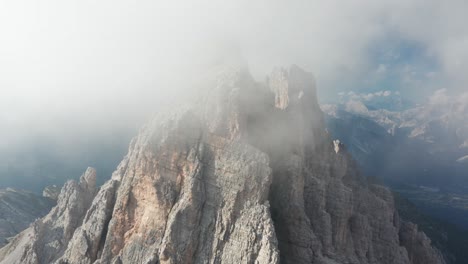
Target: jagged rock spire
[(247, 174)]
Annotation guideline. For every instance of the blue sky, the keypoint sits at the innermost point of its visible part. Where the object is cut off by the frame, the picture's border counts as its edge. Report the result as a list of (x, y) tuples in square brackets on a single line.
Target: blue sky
[(398, 64), (395, 64)]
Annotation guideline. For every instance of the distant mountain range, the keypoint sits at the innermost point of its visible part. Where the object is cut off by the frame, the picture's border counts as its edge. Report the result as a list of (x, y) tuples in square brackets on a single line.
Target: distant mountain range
[(18, 209), (43, 160), (420, 150)]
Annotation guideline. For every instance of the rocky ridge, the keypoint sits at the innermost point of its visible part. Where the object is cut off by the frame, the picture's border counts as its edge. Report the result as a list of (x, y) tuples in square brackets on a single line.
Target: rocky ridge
[(51, 192), (18, 209), (248, 174)]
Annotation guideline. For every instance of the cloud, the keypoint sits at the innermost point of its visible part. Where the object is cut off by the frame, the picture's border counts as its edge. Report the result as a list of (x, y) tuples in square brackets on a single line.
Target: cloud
[(356, 107), (59, 51), (381, 69), (84, 67), (366, 96), (439, 98)]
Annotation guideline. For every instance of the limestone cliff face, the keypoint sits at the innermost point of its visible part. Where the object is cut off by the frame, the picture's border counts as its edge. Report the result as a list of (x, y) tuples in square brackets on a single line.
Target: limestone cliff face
[(45, 239), (245, 175)]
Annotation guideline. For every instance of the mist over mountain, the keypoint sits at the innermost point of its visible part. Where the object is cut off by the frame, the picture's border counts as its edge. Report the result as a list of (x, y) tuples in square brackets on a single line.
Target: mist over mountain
[(245, 173), (195, 151), (47, 159)]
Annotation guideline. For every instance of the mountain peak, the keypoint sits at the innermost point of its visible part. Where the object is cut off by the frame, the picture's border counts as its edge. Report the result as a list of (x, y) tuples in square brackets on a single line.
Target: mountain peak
[(88, 179), (247, 174), (291, 86)]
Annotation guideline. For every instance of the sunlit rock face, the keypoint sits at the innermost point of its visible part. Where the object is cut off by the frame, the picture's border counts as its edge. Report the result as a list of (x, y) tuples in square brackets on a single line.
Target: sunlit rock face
[(247, 174)]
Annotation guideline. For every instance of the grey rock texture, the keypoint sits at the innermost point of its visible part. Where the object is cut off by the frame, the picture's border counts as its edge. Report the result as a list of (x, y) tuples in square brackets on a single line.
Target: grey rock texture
[(48, 237), (51, 192), (18, 209), (247, 174), (417, 242)]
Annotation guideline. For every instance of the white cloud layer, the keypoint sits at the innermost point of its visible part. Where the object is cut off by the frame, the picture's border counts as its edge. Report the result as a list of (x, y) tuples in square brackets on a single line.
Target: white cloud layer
[(99, 63)]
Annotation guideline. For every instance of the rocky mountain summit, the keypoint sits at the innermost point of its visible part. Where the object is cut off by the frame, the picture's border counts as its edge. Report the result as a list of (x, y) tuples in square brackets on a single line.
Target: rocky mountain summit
[(246, 174)]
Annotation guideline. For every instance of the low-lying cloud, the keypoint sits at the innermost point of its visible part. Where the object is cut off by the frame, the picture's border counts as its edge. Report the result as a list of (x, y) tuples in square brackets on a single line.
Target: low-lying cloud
[(80, 68)]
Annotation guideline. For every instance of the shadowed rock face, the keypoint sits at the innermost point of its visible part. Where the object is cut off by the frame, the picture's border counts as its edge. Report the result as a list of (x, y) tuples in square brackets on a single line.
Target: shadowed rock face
[(245, 175)]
